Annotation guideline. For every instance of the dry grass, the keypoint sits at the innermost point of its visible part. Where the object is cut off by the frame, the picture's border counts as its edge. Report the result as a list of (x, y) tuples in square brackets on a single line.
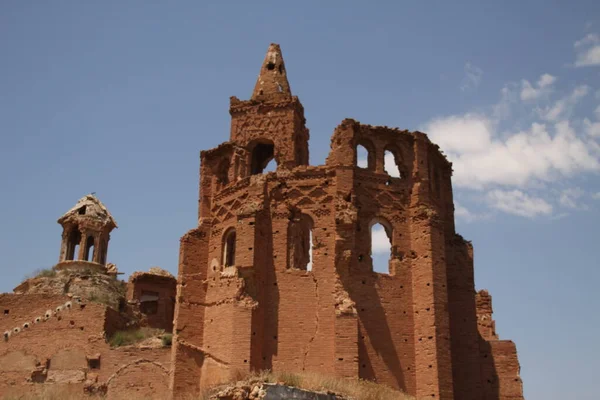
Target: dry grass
[(352, 388), (42, 273)]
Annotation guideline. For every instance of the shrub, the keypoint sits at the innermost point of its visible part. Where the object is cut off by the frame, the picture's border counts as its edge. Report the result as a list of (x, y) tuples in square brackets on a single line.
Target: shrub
[(124, 338), (42, 273), (167, 339)]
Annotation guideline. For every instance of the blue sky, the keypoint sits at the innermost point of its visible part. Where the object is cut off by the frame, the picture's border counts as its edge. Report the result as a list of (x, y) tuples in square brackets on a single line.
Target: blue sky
[(118, 98)]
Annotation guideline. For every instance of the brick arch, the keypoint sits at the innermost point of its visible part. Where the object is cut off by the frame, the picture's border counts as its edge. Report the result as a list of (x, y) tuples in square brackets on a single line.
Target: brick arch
[(261, 151), (399, 159), (140, 379)]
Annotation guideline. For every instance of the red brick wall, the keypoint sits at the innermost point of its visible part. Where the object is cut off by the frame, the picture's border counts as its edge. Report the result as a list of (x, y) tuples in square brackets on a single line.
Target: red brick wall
[(62, 343), (166, 288), (414, 329)]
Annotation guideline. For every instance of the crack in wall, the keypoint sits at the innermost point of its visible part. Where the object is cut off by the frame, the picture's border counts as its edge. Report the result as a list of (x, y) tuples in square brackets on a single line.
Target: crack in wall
[(312, 339), (204, 352)]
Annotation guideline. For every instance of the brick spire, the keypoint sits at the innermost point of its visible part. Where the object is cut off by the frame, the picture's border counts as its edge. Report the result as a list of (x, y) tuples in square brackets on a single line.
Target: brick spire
[(272, 83)]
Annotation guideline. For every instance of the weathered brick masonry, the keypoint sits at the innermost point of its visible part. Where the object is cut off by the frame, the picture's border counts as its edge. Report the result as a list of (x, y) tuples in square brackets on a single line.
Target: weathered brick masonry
[(249, 299), (54, 331)]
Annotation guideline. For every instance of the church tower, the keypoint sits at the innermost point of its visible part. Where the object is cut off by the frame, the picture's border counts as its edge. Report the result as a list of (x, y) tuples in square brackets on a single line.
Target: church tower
[(280, 272)]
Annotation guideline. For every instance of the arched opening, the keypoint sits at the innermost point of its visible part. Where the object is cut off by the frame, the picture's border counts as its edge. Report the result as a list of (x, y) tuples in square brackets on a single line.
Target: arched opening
[(73, 244), (391, 164), (381, 246), (300, 243), (229, 248), (89, 249), (362, 156), (365, 155), (262, 154)]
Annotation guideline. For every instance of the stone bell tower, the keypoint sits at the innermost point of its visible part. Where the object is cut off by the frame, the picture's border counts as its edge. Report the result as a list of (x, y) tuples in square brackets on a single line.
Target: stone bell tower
[(86, 232)]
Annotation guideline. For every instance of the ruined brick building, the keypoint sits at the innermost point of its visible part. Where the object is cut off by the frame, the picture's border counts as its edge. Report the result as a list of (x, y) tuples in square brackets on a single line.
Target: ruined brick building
[(56, 326), (278, 273)]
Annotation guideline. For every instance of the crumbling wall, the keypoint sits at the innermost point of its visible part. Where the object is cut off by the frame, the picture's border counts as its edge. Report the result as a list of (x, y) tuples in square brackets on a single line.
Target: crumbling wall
[(463, 320), (249, 299), (64, 343), (500, 368), (154, 295)]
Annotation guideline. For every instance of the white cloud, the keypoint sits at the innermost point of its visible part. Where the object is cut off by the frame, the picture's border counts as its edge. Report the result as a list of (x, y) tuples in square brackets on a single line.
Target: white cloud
[(570, 198), (597, 112), (529, 92), (380, 243), (390, 165), (518, 203), (588, 51), (596, 196), (482, 158), (461, 212), (564, 107), (591, 128), (473, 76)]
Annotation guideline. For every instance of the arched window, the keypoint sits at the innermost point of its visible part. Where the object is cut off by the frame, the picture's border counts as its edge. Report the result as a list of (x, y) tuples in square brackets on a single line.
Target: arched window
[(229, 248), (391, 164), (300, 242), (381, 246), (73, 244), (89, 249), (365, 155), (262, 153)]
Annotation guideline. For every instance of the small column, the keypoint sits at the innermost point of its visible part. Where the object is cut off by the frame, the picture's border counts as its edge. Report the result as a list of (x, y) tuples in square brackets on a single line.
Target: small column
[(82, 243), (64, 245), (96, 253)]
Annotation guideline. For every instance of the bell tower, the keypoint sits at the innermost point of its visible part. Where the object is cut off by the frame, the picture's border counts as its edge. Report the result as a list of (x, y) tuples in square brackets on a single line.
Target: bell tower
[(86, 231), (271, 125)]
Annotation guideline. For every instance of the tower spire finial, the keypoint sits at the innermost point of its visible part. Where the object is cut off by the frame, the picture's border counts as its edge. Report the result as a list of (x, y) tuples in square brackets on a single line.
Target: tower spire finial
[(272, 83)]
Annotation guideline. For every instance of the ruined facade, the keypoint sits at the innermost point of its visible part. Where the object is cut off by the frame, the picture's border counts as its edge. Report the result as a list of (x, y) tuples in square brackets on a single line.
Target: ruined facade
[(279, 275), (153, 293), (56, 326)]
